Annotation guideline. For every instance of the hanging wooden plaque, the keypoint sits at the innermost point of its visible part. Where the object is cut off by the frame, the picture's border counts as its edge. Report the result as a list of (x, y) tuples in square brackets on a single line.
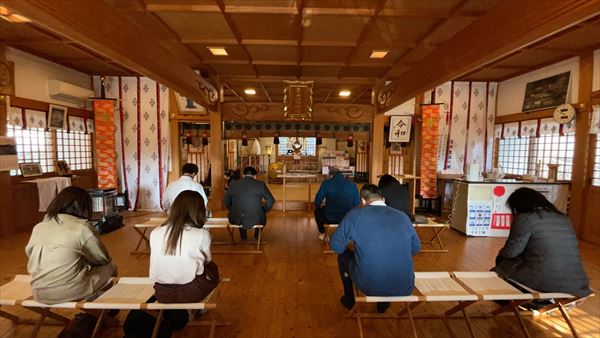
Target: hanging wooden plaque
[(297, 100)]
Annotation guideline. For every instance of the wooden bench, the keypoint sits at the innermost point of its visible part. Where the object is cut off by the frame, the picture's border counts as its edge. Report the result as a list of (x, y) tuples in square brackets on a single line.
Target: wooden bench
[(464, 288), (438, 229), (211, 223), (127, 293)]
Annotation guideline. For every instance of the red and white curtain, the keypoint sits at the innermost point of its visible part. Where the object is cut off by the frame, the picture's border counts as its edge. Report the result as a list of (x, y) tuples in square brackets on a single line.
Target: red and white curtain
[(466, 130), (142, 138)]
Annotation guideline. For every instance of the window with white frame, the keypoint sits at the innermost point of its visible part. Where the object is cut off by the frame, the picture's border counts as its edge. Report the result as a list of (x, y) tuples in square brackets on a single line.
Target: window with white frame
[(309, 145), (596, 171), (513, 155), (75, 147), (33, 145), (38, 145), (525, 155)]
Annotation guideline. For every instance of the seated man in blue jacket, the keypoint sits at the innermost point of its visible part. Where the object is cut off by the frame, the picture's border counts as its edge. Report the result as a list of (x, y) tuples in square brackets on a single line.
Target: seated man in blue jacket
[(375, 246), (340, 196)]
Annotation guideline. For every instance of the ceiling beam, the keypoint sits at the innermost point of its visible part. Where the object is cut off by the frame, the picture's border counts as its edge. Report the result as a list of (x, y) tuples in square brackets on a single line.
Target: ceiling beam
[(329, 94), (424, 38), (509, 26), (266, 92), (85, 22), (226, 85), (299, 35), (368, 88), (279, 79), (363, 34), (236, 33)]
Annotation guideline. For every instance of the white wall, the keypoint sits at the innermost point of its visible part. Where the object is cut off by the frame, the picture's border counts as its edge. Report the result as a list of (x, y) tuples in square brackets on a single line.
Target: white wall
[(596, 71), (512, 91), (32, 74)]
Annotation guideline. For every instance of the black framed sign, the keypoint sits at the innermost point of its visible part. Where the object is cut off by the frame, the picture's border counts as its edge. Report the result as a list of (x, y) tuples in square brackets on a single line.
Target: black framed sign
[(547, 93)]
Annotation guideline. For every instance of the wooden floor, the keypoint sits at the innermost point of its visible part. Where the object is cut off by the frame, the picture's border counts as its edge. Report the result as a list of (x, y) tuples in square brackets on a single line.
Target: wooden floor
[(293, 289)]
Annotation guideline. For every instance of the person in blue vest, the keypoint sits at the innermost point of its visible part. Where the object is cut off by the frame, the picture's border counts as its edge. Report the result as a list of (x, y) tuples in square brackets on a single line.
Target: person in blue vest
[(375, 246), (340, 195)]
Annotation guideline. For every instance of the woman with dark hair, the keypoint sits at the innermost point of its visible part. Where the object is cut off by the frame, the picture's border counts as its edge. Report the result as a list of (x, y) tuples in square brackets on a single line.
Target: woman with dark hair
[(67, 260), (395, 194), (541, 251), (180, 260)]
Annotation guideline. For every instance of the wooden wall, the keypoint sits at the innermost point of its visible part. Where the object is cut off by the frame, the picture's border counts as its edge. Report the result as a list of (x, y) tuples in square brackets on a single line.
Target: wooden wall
[(22, 203)]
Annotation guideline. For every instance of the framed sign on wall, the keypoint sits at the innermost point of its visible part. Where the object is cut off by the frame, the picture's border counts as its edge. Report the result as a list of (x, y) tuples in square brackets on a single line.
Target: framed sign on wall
[(400, 128), (547, 93)]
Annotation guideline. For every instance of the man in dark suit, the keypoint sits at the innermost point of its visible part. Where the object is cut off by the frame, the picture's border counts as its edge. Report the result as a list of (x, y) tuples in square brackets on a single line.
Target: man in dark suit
[(244, 200)]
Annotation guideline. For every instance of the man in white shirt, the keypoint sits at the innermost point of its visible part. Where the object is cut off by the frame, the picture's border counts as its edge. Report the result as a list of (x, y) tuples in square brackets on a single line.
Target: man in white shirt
[(185, 182)]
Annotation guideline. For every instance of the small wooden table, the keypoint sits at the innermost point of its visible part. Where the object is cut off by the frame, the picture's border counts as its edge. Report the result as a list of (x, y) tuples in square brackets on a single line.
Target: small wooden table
[(300, 176)]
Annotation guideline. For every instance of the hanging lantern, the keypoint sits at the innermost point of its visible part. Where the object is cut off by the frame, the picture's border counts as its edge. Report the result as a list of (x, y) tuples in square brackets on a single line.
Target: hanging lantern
[(276, 138), (350, 141), (244, 140), (319, 139), (204, 139)]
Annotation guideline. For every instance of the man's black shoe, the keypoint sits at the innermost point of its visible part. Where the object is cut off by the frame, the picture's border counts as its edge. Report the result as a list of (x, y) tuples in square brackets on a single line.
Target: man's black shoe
[(243, 234), (347, 302), (383, 306)]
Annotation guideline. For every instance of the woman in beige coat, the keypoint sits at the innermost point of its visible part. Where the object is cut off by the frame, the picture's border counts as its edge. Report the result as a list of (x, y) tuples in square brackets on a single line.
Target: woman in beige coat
[(67, 260)]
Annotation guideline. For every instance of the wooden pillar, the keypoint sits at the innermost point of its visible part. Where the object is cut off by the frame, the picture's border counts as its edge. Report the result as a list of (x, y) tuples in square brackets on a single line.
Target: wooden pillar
[(580, 178), (377, 148), (215, 156), (6, 221), (175, 171)]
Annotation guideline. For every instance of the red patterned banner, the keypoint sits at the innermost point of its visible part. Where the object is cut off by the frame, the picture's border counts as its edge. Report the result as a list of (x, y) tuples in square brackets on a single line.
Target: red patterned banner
[(429, 150), (105, 143)]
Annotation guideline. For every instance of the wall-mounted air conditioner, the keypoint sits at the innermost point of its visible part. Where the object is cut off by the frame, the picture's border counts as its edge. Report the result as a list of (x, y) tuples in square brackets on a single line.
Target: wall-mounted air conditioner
[(63, 90)]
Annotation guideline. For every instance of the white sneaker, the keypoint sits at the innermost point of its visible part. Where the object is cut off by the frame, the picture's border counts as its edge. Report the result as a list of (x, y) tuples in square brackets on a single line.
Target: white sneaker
[(322, 237)]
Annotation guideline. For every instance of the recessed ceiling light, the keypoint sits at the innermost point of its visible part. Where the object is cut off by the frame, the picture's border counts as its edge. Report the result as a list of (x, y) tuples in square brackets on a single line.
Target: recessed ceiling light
[(217, 50), (344, 93), (250, 91), (379, 54)]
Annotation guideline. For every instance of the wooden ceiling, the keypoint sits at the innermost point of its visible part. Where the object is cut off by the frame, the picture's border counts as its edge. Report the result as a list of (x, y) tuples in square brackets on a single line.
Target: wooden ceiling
[(328, 41)]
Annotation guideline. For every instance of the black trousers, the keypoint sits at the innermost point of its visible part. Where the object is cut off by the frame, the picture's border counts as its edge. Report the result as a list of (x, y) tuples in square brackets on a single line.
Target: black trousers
[(321, 220), (345, 263)]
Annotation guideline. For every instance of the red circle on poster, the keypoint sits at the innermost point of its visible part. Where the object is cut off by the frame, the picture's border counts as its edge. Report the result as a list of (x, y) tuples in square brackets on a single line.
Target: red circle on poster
[(499, 191)]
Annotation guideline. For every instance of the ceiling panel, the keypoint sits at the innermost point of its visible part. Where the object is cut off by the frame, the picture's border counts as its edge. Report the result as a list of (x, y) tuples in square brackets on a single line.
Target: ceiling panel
[(278, 53), (477, 6), (584, 37), (397, 71), (532, 58), (343, 4), (232, 70), (422, 7), (197, 25), (269, 70), (389, 31), (333, 28), (491, 74), (321, 70), (180, 50), (416, 54), (448, 29), (265, 26), (95, 67), (325, 54), (363, 71)]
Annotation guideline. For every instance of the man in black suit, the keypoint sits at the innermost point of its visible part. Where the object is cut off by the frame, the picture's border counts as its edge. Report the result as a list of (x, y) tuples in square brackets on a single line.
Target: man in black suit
[(244, 200)]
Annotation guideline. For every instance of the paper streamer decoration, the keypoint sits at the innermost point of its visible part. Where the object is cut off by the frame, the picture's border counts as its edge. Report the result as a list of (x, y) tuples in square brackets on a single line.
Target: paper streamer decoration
[(595, 126), (429, 150), (105, 143)]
